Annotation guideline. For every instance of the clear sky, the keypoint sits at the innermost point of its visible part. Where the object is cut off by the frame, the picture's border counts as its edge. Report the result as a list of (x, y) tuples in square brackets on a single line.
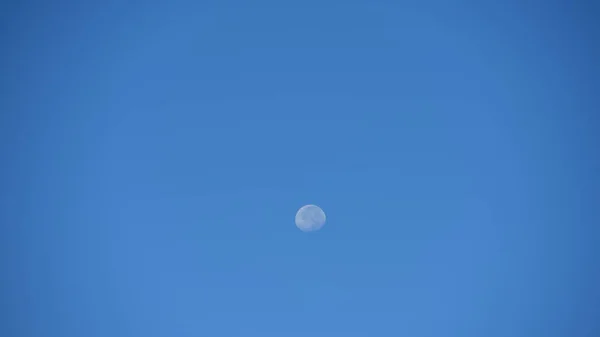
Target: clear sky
[(154, 154)]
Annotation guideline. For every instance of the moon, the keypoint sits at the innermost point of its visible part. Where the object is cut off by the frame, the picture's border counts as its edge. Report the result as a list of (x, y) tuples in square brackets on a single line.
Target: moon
[(310, 218)]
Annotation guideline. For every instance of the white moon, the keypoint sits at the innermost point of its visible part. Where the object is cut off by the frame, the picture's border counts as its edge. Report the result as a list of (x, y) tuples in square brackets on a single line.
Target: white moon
[(310, 218)]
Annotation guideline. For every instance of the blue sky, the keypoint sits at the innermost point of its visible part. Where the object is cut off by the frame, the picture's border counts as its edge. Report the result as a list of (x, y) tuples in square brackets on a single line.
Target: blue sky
[(155, 154)]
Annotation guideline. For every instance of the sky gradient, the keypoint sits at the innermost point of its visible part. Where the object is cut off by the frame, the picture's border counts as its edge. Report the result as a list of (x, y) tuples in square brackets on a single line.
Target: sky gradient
[(154, 155)]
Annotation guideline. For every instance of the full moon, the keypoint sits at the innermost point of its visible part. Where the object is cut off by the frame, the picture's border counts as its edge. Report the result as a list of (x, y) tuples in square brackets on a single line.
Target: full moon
[(310, 218)]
